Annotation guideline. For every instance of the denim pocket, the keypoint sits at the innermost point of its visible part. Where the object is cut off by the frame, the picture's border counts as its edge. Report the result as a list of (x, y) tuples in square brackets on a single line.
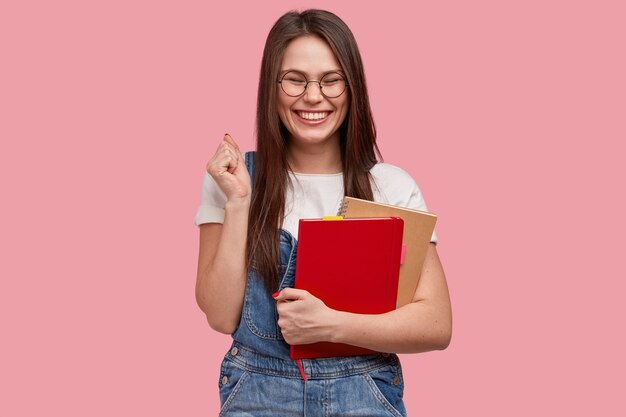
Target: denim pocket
[(231, 380), (259, 310), (387, 385)]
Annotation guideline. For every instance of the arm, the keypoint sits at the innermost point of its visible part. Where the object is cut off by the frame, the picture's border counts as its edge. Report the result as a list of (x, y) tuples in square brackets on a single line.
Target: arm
[(423, 325), (221, 278)]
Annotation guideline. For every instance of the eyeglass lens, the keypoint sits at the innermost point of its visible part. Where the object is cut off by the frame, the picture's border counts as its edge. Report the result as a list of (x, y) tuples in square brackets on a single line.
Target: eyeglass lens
[(295, 83)]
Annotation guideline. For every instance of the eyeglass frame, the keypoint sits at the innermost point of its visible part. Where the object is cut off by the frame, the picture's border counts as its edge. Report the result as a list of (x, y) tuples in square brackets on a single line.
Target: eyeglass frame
[(319, 83)]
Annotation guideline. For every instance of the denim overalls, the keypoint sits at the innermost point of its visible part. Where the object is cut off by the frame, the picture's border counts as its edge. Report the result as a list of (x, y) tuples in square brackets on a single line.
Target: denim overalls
[(258, 378)]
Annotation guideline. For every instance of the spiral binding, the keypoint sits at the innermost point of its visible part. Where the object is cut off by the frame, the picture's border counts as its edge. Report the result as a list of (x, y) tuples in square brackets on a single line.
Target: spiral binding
[(343, 208)]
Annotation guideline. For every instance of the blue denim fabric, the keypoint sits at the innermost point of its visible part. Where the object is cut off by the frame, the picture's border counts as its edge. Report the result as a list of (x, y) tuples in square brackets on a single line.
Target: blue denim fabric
[(258, 378)]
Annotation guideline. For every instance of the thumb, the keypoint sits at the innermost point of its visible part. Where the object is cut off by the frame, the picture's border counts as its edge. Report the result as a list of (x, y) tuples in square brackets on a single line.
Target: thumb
[(289, 294)]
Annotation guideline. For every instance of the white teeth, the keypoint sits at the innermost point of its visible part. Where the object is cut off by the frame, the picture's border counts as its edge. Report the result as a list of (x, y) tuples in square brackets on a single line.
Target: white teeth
[(312, 116)]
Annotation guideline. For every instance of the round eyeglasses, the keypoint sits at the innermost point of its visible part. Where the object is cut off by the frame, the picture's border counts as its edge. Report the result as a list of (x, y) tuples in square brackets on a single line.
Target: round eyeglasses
[(294, 84)]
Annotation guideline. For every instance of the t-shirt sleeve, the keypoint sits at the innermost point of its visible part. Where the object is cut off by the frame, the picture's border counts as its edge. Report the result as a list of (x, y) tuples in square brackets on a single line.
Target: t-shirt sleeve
[(396, 187), (212, 202)]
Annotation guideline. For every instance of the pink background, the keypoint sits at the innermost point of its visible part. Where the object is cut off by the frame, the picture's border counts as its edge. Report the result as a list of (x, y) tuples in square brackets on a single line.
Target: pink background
[(509, 115)]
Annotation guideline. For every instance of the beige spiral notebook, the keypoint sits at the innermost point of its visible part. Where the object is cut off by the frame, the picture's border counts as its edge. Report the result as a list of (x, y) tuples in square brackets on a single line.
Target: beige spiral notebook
[(418, 229)]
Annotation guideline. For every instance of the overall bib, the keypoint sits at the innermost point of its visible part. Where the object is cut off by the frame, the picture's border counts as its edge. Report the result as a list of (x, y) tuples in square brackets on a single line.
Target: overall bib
[(258, 378)]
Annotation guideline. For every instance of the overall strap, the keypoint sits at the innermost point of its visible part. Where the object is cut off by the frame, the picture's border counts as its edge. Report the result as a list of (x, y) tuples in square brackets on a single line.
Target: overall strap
[(250, 164), (250, 161)]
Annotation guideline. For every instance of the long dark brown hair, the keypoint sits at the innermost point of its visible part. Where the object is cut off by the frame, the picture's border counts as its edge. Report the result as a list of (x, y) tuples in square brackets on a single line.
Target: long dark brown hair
[(357, 134)]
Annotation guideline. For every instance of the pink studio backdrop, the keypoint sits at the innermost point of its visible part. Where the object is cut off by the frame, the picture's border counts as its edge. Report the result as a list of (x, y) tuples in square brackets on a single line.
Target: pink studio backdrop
[(509, 115)]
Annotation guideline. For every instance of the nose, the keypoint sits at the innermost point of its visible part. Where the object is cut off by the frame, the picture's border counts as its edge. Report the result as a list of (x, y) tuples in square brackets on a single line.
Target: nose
[(313, 93)]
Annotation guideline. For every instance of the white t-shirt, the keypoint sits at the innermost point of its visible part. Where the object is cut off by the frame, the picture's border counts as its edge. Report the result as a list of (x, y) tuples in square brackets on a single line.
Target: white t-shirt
[(313, 196)]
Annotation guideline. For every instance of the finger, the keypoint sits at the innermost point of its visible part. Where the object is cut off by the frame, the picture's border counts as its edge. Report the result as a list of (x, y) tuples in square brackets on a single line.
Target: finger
[(231, 150), (225, 146), (231, 141), (223, 164), (290, 294), (230, 155), (227, 158), (279, 296), (220, 165)]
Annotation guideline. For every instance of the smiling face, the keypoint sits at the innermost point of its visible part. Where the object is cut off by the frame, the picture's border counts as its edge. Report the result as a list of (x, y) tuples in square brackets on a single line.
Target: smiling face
[(311, 119)]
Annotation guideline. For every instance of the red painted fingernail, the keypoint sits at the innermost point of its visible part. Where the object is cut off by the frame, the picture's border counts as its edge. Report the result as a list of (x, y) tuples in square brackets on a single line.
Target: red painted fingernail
[(275, 294)]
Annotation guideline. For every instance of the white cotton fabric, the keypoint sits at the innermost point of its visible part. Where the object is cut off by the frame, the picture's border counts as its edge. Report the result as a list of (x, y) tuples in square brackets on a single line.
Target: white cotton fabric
[(313, 196)]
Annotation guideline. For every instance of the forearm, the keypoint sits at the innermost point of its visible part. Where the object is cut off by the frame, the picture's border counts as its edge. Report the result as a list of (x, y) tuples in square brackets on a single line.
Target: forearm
[(415, 327), (222, 285)]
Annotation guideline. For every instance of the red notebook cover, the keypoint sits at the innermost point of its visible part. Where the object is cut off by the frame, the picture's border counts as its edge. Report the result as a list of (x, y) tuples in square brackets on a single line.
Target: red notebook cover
[(352, 265)]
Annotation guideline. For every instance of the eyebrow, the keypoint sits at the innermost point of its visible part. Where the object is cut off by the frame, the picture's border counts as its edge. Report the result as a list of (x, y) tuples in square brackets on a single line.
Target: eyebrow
[(283, 72)]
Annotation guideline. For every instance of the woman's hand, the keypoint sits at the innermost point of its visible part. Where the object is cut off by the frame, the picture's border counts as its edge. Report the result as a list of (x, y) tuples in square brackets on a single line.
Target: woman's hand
[(303, 318), (228, 169)]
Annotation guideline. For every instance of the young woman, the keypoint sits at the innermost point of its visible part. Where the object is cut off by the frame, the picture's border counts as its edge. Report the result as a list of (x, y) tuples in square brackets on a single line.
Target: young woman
[(316, 142)]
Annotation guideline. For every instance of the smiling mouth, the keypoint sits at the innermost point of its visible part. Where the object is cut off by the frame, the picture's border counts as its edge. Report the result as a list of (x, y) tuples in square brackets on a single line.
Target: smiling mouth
[(313, 116)]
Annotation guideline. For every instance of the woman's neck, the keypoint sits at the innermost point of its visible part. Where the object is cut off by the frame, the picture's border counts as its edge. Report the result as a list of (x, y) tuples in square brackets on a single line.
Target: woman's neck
[(325, 159)]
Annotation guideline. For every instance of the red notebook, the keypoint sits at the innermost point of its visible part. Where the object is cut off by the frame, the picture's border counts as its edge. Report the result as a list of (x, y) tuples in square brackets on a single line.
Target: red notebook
[(352, 265)]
